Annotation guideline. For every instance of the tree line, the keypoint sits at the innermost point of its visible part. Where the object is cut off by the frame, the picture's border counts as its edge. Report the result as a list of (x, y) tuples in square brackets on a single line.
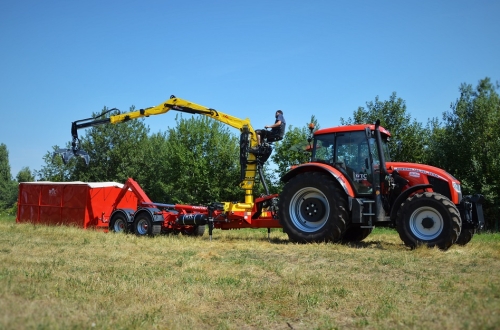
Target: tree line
[(197, 160)]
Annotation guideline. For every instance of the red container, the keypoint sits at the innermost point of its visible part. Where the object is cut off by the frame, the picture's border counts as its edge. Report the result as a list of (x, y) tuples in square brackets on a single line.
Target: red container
[(82, 204)]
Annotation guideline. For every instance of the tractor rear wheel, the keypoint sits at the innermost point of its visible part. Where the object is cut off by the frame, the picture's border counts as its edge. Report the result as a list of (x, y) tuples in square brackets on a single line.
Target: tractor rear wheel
[(430, 219), (313, 209), (118, 224)]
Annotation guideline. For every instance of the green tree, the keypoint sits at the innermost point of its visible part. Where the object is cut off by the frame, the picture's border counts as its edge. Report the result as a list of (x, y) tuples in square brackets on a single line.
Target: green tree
[(468, 143), (54, 169), (8, 187), (199, 162), (196, 162), (115, 150), (410, 136), (25, 175)]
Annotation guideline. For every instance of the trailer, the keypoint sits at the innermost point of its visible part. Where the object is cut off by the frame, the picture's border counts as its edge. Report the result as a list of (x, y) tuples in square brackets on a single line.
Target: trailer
[(80, 204), (127, 208)]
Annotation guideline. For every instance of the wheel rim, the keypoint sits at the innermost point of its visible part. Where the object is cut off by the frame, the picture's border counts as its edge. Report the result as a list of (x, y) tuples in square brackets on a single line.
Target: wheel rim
[(142, 227), (119, 225), (309, 209), (426, 223)]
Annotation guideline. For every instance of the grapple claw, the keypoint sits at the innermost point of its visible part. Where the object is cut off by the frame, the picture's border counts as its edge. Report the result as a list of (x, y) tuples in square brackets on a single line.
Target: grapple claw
[(67, 154)]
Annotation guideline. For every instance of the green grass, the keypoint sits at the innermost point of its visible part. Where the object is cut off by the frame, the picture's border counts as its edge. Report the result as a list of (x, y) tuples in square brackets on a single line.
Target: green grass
[(63, 277)]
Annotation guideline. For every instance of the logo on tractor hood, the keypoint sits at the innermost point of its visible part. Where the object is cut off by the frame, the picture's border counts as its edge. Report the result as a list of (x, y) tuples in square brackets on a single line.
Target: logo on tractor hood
[(415, 172)]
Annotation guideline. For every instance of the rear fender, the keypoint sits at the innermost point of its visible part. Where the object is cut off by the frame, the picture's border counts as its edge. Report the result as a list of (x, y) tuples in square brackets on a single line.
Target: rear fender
[(319, 167), (127, 213), (155, 214)]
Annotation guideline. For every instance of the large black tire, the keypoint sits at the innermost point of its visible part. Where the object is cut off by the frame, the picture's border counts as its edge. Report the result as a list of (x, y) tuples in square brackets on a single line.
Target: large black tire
[(118, 224), (312, 208), (143, 224), (430, 219), (194, 230), (465, 236), (356, 234)]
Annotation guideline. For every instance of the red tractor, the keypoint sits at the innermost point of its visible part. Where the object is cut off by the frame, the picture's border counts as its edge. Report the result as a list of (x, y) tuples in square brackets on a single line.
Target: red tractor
[(350, 186)]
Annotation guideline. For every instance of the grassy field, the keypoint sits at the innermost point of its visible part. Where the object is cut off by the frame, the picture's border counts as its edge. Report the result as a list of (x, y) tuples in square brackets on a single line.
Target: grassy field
[(70, 278)]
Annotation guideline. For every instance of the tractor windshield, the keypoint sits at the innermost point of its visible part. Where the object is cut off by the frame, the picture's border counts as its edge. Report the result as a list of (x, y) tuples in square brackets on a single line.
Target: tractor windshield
[(385, 149)]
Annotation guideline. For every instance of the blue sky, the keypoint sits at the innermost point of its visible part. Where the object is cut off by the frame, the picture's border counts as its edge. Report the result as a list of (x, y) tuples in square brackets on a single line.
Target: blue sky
[(63, 60)]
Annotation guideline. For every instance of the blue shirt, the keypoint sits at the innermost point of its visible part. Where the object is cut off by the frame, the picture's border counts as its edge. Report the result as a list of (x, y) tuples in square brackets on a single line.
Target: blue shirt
[(280, 130)]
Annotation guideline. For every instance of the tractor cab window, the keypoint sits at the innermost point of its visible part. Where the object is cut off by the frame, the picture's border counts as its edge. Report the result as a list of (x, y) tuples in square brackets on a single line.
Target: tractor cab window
[(353, 155), (323, 148)]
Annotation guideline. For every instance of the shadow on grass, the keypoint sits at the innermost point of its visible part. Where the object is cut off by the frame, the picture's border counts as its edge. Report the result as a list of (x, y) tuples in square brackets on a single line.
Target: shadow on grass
[(381, 245)]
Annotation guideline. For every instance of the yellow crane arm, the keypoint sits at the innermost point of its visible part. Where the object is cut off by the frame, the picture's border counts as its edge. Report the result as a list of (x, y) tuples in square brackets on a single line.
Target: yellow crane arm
[(251, 164), (175, 103)]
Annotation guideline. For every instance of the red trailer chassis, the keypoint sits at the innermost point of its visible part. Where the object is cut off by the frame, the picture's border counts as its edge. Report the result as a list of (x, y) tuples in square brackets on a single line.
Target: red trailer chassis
[(127, 207)]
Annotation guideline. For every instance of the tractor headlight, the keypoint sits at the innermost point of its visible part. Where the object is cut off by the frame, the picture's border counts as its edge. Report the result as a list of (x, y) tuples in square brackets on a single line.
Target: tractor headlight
[(457, 188)]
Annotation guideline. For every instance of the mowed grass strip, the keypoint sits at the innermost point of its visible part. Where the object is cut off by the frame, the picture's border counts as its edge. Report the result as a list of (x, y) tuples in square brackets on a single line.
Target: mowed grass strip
[(55, 277)]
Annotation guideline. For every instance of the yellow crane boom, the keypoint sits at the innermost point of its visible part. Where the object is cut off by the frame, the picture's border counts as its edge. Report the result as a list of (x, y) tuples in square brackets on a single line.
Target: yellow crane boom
[(250, 162)]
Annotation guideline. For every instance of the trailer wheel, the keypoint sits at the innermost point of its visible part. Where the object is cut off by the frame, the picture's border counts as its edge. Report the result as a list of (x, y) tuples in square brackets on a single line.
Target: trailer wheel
[(356, 234), (197, 230), (430, 219), (465, 236), (118, 224), (143, 225), (313, 209)]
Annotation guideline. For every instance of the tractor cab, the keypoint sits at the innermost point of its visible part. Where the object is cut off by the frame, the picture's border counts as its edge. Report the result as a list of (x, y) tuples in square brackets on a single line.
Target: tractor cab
[(353, 151)]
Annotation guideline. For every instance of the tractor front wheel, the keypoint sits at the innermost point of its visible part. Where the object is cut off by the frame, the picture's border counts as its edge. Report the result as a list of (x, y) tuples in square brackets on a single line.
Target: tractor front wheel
[(313, 209), (430, 219)]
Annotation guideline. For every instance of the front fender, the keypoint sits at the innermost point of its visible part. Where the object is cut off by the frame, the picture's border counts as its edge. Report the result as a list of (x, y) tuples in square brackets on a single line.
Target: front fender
[(403, 196), (320, 167)]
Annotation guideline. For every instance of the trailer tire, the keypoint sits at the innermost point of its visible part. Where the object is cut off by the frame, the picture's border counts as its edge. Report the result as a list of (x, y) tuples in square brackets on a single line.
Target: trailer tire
[(143, 224), (465, 236), (197, 230), (312, 208), (355, 234), (428, 219), (118, 224)]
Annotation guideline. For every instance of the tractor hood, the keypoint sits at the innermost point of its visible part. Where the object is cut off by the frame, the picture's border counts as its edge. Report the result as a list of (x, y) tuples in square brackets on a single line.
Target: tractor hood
[(442, 181)]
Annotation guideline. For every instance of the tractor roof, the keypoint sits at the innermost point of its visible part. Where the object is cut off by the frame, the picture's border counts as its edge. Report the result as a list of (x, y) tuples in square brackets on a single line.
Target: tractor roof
[(350, 128)]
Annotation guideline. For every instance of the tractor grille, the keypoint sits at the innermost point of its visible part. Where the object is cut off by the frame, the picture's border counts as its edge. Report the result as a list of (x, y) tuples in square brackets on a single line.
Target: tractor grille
[(440, 186)]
